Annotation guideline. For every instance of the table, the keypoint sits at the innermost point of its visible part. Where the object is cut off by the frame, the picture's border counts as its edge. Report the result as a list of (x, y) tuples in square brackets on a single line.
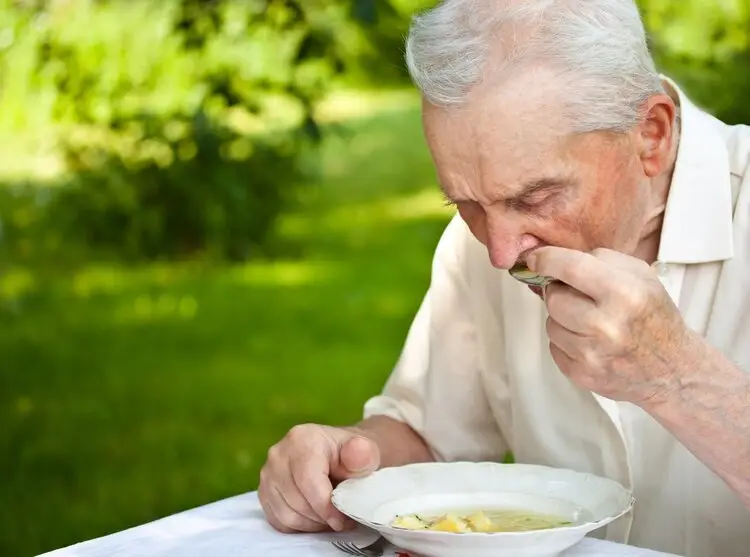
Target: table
[(235, 527)]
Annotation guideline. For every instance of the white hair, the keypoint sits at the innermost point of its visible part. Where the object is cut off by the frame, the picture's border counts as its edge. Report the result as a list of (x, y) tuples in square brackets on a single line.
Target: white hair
[(597, 47)]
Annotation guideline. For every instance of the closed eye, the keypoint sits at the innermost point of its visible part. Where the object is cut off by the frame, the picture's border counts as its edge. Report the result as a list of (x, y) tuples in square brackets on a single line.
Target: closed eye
[(529, 202), (537, 197), (538, 194)]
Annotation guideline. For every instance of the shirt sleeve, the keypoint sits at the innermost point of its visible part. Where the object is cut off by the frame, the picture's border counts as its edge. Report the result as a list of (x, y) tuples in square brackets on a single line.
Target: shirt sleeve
[(436, 386)]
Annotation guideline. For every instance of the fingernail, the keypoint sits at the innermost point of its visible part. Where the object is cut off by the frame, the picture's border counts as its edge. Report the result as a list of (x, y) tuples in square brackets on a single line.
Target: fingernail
[(336, 524)]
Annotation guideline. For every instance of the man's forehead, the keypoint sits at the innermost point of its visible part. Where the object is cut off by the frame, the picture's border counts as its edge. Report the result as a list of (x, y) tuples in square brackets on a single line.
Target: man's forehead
[(495, 144), (526, 108)]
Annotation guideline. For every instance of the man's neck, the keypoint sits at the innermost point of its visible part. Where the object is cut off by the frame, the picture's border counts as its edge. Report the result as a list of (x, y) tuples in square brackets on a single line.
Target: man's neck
[(648, 246)]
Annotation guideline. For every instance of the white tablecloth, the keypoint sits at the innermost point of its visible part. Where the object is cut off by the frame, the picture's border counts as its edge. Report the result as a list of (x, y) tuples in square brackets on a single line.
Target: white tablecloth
[(236, 527)]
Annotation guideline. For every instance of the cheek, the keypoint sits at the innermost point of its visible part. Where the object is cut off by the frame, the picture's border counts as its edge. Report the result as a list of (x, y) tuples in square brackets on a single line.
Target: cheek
[(561, 222), (565, 231), (607, 220), (581, 221)]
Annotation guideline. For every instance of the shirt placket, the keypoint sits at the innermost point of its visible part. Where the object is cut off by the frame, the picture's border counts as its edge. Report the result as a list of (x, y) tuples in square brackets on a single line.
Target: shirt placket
[(671, 277)]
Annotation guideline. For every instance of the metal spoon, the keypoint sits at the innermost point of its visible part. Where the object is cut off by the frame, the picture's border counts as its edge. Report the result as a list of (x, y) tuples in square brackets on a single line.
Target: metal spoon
[(523, 274)]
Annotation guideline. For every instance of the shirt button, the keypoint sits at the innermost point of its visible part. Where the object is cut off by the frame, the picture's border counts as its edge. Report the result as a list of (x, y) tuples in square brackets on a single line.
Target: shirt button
[(661, 268)]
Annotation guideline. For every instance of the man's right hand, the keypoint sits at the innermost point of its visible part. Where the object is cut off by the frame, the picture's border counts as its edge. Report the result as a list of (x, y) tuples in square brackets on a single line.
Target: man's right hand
[(298, 477)]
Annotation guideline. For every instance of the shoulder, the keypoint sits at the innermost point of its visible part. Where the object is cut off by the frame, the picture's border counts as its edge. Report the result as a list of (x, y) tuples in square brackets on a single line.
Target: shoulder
[(737, 140)]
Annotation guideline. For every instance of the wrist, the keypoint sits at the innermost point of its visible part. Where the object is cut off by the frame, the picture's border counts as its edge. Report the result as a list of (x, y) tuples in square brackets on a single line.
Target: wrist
[(683, 370), (397, 442), (701, 378)]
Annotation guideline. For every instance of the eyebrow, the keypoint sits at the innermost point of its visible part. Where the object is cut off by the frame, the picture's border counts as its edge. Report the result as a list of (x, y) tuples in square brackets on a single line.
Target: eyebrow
[(541, 184), (529, 188)]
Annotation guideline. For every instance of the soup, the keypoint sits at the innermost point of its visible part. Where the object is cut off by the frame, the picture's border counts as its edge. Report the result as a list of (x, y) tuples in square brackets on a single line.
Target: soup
[(481, 521)]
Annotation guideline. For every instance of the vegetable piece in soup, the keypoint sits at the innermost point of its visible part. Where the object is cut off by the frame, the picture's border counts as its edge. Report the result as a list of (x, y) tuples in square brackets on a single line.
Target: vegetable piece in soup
[(480, 521)]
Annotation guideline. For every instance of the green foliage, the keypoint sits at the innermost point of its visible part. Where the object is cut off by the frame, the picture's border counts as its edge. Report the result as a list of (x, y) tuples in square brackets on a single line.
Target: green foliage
[(184, 188), (184, 124), (187, 127), (706, 47), (131, 392)]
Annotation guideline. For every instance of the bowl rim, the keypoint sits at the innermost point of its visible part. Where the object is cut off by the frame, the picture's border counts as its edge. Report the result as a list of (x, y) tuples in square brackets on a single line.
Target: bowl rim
[(348, 485)]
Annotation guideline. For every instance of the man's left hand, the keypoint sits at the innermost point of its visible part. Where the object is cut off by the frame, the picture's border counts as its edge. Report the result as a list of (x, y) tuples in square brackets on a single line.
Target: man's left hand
[(612, 326)]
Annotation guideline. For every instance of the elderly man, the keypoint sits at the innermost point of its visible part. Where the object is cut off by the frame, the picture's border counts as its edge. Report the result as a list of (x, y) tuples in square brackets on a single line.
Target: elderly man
[(565, 150)]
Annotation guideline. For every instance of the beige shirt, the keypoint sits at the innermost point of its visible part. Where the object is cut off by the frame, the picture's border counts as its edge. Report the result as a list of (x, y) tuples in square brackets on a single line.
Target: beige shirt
[(476, 378)]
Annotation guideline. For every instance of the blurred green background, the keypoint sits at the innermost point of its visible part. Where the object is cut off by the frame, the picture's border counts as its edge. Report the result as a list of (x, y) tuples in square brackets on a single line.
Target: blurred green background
[(216, 221)]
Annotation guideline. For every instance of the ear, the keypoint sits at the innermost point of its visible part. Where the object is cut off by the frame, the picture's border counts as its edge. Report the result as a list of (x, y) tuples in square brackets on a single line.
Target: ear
[(657, 134)]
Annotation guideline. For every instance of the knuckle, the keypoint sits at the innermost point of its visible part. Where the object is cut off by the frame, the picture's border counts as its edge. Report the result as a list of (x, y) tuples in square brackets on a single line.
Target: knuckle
[(552, 329), (591, 359), (637, 298), (548, 326), (300, 432), (633, 298), (611, 332), (264, 478), (275, 454), (264, 500), (553, 303)]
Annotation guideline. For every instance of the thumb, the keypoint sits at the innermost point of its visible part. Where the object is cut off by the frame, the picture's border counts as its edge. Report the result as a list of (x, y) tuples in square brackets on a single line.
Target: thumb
[(358, 456)]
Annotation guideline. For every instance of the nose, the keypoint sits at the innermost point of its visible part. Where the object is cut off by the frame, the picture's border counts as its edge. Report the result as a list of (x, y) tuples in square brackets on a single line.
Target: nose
[(503, 242)]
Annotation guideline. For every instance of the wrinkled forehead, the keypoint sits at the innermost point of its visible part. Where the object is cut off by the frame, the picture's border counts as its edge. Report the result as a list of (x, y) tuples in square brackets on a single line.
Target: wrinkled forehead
[(508, 131)]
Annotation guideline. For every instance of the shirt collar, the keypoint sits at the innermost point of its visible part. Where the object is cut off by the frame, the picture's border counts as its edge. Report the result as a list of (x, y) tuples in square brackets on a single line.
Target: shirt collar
[(697, 225)]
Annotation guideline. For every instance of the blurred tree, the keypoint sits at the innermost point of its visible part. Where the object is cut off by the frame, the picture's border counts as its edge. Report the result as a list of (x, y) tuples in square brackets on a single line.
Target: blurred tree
[(187, 125), (185, 122), (706, 47)]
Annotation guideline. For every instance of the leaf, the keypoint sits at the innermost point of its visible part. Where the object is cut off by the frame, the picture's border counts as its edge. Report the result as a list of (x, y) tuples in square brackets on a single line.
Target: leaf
[(314, 45), (312, 129), (365, 11)]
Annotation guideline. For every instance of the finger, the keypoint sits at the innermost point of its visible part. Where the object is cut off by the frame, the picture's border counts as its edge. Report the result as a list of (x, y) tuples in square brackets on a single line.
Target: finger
[(315, 487), (618, 260), (358, 457), (582, 271), (567, 341), (286, 512), (297, 499), (571, 369), (569, 307), (564, 362), (281, 516), (285, 501)]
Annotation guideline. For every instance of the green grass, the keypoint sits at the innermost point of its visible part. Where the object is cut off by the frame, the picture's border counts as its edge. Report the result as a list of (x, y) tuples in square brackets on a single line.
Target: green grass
[(127, 394)]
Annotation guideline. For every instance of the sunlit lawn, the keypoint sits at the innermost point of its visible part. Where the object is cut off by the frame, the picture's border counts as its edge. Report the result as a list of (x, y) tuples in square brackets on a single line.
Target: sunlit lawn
[(127, 394)]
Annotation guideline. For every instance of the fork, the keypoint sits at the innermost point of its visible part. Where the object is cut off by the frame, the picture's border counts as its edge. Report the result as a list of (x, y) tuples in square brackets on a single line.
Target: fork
[(375, 549)]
